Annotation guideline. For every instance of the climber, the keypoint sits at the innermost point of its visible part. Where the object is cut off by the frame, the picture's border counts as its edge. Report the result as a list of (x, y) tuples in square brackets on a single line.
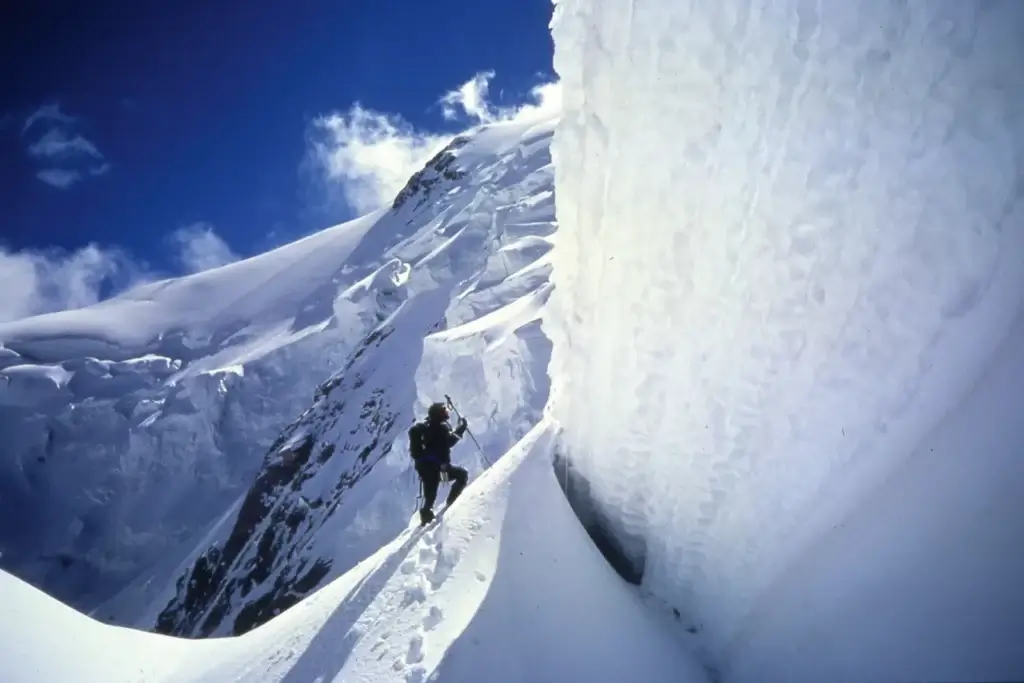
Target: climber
[(430, 445)]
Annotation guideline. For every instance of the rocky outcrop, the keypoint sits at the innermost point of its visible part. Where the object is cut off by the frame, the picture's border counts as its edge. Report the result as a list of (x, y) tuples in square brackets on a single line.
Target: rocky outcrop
[(439, 169), (268, 560)]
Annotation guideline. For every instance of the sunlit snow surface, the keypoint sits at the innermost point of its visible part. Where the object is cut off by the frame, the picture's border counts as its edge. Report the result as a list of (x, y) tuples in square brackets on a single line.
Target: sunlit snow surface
[(505, 588), (790, 241)]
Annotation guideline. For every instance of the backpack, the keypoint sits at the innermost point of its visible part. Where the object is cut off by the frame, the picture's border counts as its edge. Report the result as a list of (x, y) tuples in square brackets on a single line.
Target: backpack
[(416, 446)]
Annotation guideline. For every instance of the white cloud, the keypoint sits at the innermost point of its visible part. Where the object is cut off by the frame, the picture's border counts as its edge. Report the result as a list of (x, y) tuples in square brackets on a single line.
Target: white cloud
[(45, 281), (59, 177), (38, 282), (369, 156), (200, 248), (57, 143), (47, 112), (67, 155), (470, 101)]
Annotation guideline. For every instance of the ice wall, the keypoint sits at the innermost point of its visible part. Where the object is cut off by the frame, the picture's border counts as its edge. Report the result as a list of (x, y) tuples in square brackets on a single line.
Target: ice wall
[(791, 242)]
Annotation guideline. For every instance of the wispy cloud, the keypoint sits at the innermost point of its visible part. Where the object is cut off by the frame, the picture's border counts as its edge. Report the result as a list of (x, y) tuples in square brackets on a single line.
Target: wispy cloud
[(59, 177), (57, 144), (47, 113), (470, 102), (368, 156), (371, 154), (470, 99), (37, 282), (199, 248), (66, 156)]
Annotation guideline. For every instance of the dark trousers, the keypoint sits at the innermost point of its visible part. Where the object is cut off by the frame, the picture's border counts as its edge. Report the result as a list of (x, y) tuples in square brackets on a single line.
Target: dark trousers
[(430, 477)]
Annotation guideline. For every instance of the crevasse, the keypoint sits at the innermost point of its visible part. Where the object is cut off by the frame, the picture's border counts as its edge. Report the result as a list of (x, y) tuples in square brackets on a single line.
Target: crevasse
[(786, 323)]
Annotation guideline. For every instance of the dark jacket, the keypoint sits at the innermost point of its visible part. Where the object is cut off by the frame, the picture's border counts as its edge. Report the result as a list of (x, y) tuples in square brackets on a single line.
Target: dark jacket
[(431, 442)]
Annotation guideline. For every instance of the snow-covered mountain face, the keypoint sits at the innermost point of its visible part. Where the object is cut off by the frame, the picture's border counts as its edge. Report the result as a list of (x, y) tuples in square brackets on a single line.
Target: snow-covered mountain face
[(131, 426), (786, 324)]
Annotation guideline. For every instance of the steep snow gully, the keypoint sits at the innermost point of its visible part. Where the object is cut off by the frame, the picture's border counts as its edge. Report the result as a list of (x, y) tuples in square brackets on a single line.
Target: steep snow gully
[(772, 359)]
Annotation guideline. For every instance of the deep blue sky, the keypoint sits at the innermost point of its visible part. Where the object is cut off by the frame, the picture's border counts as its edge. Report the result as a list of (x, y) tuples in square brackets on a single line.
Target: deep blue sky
[(202, 108)]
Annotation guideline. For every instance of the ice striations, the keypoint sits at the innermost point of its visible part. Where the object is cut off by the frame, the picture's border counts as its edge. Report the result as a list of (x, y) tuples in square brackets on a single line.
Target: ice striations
[(786, 323)]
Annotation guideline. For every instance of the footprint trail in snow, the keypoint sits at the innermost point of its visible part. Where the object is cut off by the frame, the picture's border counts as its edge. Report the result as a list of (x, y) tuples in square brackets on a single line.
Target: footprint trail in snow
[(423, 573)]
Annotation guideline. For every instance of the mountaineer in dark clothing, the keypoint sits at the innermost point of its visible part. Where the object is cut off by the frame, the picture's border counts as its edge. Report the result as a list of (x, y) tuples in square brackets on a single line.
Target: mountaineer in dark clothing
[(430, 445)]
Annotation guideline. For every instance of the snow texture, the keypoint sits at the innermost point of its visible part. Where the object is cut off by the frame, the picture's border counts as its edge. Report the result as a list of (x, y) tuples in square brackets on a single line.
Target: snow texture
[(505, 587), (786, 324)]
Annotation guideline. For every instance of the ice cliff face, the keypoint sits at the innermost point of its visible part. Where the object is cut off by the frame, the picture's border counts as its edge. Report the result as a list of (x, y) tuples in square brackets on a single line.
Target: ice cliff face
[(131, 425), (788, 286)]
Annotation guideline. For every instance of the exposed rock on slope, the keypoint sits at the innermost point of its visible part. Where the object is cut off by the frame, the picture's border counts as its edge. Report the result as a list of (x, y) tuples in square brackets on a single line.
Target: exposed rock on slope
[(350, 427)]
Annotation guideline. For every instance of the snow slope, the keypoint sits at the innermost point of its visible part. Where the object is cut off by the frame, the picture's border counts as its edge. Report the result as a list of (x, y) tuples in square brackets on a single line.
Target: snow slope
[(131, 426), (337, 483), (786, 324), (127, 424), (189, 315), (506, 587)]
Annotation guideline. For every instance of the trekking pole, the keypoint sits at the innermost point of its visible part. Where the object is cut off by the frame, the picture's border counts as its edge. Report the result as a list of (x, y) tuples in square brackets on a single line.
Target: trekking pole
[(456, 411)]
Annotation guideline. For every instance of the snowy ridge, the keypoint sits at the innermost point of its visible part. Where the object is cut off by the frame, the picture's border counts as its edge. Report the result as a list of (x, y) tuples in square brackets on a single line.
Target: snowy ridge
[(197, 315), (337, 483), (484, 591)]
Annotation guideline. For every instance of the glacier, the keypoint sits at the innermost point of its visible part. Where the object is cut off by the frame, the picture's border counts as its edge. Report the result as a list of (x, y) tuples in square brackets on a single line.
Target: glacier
[(129, 423), (786, 324), (748, 312)]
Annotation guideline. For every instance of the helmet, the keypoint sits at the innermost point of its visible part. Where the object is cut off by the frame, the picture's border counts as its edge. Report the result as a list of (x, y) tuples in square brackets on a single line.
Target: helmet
[(437, 412)]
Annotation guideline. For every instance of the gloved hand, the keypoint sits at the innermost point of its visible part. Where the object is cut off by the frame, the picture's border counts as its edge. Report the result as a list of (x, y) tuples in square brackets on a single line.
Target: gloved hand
[(463, 424), (444, 472)]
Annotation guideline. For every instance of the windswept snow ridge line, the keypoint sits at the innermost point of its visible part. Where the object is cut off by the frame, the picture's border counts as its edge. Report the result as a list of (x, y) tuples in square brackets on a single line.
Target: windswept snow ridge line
[(791, 240), (506, 586), (337, 482)]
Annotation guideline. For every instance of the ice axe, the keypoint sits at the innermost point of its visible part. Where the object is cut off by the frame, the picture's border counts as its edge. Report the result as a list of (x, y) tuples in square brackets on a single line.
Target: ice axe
[(456, 411)]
